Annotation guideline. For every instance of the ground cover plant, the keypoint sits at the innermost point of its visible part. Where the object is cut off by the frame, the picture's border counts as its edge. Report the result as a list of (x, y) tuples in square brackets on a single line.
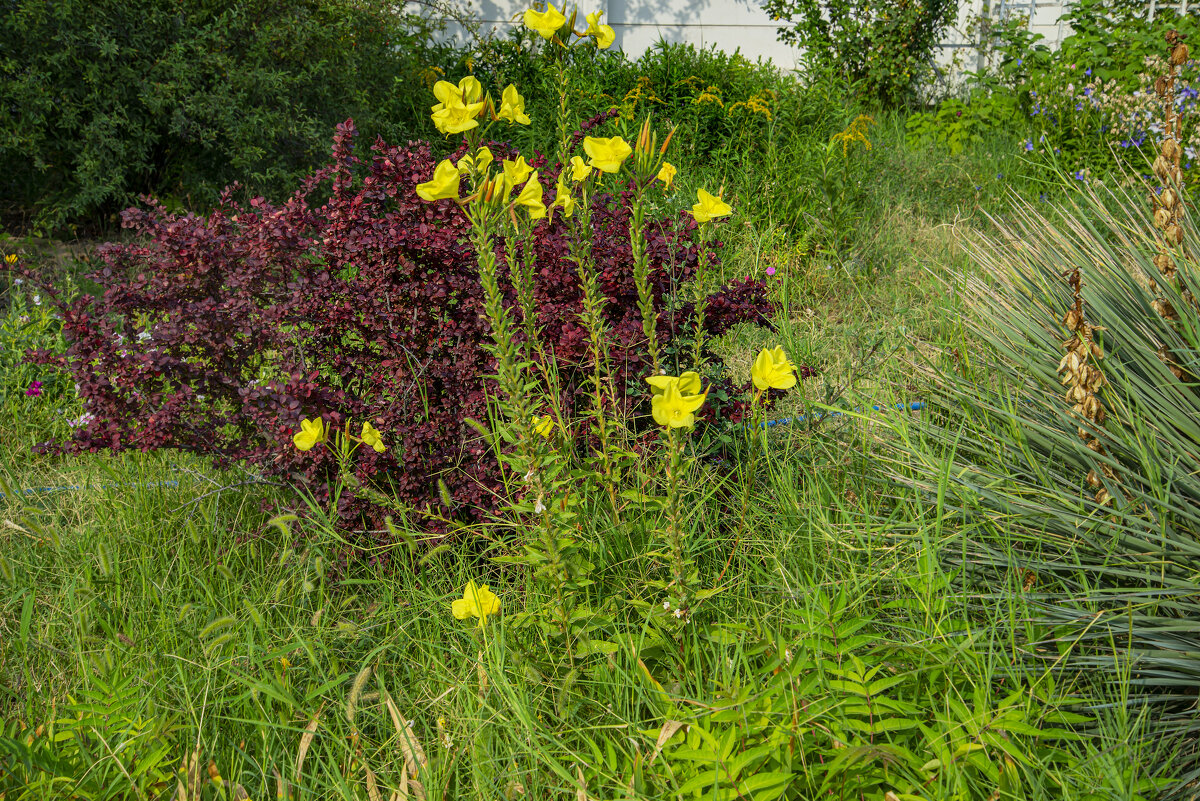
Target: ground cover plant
[(647, 604)]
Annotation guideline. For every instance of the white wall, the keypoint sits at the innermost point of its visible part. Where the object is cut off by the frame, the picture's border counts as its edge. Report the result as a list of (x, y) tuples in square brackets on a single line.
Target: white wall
[(743, 25)]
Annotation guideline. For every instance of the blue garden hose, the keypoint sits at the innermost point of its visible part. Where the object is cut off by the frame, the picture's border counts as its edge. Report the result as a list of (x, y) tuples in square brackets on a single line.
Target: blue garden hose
[(915, 406)]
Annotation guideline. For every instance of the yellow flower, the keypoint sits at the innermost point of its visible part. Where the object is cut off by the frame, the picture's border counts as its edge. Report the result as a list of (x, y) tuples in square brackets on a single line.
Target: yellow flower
[(544, 425), (563, 198), (11, 259), (443, 184), (468, 92), (607, 155), (512, 106), (710, 208), (515, 172), (667, 173), (371, 437), (674, 409), (456, 118), (688, 383), (531, 198), (605, 35), (311, 432), (545, 23), (579, 170), (479, 162), (773, 369), (476, 602)]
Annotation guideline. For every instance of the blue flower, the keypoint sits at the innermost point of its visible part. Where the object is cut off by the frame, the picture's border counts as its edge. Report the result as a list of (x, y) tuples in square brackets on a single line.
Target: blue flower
[(999, 175), (1020, 61), (1079, 175), (1087, 91), (1028, 145), (1079, 107), (1042, 197), (1088, 72)]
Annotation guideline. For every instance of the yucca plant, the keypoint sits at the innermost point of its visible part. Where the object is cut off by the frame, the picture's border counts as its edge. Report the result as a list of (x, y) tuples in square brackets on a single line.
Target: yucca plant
[(1089, 507)]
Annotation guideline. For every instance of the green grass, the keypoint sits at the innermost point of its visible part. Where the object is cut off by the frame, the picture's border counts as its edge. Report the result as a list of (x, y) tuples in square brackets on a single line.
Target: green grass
[(152, 628)]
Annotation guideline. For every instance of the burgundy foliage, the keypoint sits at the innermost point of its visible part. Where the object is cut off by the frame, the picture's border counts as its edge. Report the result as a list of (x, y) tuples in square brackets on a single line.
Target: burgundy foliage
[(216, 335)]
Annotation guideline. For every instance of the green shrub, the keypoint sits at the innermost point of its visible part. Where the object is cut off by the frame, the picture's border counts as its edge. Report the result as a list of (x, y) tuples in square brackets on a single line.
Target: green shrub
[(104, 101)]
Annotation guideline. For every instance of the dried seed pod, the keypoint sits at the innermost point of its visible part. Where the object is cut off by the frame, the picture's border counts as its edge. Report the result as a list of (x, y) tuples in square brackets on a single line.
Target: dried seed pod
[(1162, 261), (1164, 308), (1169, 149), (1169, 198), (1095, 446), (1102, 496), (1092, 408), (1097, 381), (1161, 218), (1179, 55), (1093, 480), (1173, 234), (1160, 86), (1083, 434), (1096, 351), (1072, 320), (1168, 358), (1162, 168), (1174, 176)]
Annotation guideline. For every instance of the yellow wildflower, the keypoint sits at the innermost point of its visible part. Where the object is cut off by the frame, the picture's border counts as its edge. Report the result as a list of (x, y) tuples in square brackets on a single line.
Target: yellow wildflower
[(443, 184), (709, 207), (774, 370), (10, 259), (604, 34), (579, 170), (673, 409), (468, 92), (688, 383), (531, 198), (476, 602), (544, 425), (371, 437), (512, 106), (607, 155), (515, 172), (311, 432), (456, 118), (563, 198), (478, 163), (667, 173), (545, 23)]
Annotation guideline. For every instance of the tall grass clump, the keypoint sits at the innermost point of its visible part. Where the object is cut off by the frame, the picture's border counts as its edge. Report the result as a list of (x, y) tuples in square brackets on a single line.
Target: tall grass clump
[(1068, 448)]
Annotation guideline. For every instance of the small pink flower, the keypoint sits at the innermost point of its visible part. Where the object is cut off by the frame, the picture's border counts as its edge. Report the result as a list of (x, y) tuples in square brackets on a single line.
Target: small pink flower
[(34, 390), (771, 270)]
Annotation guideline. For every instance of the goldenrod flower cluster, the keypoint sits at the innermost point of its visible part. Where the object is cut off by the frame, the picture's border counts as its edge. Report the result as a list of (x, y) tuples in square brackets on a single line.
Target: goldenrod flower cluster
[(856, 131)]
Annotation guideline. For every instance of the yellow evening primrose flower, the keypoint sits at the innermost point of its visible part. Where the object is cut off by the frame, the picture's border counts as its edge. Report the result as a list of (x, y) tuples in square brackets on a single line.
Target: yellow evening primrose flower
[(479, 162), (443, 184), (370, 436), (688, 383), (607, 155), (512, 106), (544, 425), (604, 34), (456, 118), (531, 198), (710, 208), (773, 370), (468, 92), (563, 198), (667, 173), (579, 169), (476, 602), (311, 432), (545, 23), (10, 259), (673, 409), (516, 172)]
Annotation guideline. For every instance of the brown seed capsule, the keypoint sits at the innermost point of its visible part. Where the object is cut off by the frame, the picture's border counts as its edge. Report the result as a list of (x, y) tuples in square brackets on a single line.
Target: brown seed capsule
[(1093, 480), (1162, 168), (1102, 496), (1169, 149), (1083, 434), (1095, 446), (1162, 261), (1173, 234), (1161, 218), (1164, 308), (1179, 55), (1160, 86), (1169, 198), (1097, 351), (1072, 320), (1092, 408)]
